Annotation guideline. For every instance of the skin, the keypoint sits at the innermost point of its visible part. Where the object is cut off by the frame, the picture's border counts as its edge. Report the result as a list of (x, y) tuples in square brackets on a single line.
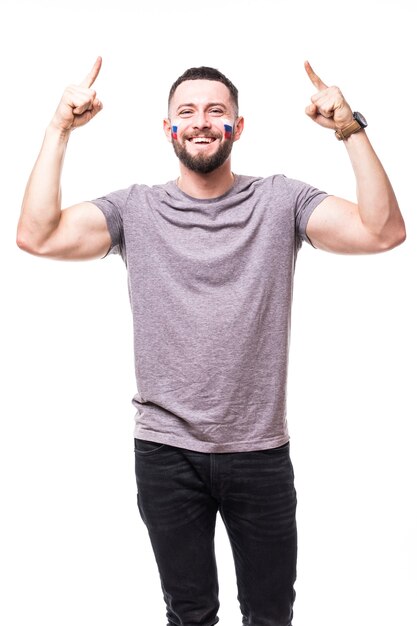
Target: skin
[(79, 232), (200, 108), (374, 223)]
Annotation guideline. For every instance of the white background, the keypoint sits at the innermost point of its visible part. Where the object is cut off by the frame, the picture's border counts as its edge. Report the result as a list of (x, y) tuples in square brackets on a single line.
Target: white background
[(73, 548)]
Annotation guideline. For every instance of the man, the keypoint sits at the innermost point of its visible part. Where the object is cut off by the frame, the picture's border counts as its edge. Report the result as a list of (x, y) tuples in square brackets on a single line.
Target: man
[(210, 259)]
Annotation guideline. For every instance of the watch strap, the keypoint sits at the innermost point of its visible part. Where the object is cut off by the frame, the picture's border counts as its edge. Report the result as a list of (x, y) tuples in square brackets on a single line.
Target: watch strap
[(347, 131)]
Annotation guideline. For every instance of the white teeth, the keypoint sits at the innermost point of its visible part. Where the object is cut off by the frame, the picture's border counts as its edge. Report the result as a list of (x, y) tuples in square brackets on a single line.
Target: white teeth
[(201, 140)]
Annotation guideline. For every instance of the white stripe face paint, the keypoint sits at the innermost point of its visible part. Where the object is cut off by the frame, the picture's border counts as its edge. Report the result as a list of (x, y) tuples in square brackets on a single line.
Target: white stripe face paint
[(175, 124), (227, 128)]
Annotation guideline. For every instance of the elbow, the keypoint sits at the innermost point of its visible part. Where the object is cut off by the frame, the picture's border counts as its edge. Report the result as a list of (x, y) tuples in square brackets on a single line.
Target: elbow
[(23, 239), (401, 236), (26, 243), (22, 242), (395, 238), (398, 231)]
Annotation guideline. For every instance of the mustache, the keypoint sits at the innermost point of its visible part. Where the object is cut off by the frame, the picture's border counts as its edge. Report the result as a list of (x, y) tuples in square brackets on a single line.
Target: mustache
[(210, 135)]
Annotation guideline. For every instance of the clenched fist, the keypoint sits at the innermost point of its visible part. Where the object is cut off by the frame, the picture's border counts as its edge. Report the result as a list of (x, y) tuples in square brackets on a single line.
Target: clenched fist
[(79, 103), (329, 107)]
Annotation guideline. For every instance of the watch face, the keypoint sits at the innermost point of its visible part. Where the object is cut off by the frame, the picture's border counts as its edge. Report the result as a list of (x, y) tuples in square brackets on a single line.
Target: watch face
[(360, 119)]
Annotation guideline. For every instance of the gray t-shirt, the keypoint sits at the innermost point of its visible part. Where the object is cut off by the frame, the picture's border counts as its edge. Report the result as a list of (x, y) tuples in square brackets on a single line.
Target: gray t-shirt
[(210, 284)]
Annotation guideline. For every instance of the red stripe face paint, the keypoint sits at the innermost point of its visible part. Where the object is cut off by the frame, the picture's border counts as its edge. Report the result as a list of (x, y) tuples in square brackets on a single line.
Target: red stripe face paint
[(228, 129), (174, 129)]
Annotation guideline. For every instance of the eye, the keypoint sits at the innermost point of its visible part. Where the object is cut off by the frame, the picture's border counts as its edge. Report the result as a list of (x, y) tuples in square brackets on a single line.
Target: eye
[(217, 111), (185, 113)]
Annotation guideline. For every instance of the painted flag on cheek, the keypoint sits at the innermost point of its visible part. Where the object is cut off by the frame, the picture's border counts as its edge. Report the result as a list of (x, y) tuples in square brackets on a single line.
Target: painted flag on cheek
[(228, 131), (175, 132)]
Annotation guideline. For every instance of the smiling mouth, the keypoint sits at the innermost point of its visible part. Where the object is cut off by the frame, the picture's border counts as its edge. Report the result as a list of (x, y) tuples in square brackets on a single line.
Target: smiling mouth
[(201, 140)]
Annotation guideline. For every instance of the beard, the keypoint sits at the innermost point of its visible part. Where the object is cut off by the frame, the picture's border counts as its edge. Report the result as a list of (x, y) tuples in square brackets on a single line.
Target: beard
[(202, 163)]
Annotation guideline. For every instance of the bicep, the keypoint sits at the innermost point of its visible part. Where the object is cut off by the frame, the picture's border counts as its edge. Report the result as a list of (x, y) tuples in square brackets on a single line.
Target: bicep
[(81, 234), (335, 226)]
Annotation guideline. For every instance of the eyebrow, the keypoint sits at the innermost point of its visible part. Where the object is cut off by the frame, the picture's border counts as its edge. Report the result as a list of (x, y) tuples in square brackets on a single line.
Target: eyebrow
[(210, 104)]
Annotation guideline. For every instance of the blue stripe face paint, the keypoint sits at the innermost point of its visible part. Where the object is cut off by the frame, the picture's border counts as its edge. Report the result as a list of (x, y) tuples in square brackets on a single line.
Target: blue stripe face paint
[(228, 129), (174, 129)]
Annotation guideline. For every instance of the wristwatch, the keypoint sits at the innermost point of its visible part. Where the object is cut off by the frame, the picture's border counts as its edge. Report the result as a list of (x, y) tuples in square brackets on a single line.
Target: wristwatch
[(355, 126)]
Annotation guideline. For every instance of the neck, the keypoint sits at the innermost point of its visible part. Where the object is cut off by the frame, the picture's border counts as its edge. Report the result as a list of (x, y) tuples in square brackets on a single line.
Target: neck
[(203, 186)]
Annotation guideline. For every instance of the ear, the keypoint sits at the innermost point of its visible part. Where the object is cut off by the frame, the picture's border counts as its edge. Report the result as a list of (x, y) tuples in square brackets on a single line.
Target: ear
[(168, 129), (239, 125)]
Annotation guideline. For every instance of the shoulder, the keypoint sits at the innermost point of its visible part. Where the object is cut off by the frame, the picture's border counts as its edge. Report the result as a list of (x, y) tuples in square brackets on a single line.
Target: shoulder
[(274, 185), (244, 181), (277, 183), (123, 199)]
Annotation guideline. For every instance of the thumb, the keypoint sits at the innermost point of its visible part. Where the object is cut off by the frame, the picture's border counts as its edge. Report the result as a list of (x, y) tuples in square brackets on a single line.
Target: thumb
[(311, 110)]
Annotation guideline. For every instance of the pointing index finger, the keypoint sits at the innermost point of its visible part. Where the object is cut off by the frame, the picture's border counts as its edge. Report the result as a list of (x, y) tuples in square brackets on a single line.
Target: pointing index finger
[(317, 82), (91, 76)]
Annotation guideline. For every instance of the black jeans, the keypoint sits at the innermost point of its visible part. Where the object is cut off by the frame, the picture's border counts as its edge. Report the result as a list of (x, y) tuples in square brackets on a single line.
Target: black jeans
[(179, 494)]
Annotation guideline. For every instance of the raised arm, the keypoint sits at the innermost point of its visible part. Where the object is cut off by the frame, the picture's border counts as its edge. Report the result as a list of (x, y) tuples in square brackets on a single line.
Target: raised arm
[(78, 232), (375, 223)]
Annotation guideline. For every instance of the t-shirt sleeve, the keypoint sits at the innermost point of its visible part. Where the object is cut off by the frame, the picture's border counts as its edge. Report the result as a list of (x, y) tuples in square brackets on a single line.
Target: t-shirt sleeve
[(113, 206), (305, 199)]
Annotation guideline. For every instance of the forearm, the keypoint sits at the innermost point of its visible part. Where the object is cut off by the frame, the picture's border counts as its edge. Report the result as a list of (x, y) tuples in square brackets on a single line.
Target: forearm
[(41, 207), (377, 204)]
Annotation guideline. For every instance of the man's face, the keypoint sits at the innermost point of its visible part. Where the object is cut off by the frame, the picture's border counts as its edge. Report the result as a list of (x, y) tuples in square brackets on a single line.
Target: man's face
[(202, 124)]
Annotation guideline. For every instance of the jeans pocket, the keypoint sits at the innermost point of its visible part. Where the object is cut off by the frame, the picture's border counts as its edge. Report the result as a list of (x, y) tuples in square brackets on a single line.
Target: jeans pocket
[(143, 447)]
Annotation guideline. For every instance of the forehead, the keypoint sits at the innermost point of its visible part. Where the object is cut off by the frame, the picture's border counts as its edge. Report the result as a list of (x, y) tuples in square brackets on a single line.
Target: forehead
[(200, 92)]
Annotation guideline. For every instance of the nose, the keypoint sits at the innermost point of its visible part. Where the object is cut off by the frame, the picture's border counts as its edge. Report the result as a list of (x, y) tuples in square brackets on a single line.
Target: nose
[(201, 120)]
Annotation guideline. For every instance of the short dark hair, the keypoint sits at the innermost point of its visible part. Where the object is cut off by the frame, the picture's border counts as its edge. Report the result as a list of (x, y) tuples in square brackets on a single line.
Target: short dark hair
[(205, 73)]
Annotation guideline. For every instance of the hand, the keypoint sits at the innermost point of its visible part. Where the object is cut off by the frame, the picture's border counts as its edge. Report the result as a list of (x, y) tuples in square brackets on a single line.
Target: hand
[(329, 107), (79, 103)]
